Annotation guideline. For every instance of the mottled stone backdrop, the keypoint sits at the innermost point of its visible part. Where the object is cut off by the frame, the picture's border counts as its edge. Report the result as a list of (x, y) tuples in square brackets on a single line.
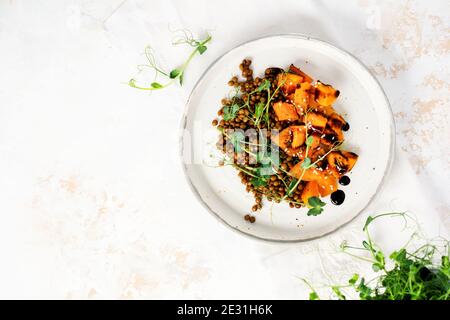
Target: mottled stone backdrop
[(93, 202)]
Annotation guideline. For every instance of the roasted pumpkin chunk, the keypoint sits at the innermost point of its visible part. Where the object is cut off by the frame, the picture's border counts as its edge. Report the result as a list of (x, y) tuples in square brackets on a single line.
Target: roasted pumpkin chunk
[(330, 138), (336, 122), (285, 111), (316, 120), (311, 174), (298, 135), (289, 82), (351, 158), (326, 181), (310, 190), (291, 140), (294, 69), (325, 94), (302, 97), (290, 97), (315, 141), (341, 162), (327, 111), (318, 153), (327, 184)]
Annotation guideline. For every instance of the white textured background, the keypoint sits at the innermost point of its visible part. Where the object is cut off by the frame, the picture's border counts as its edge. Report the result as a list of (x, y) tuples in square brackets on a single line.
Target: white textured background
[(93, 203)]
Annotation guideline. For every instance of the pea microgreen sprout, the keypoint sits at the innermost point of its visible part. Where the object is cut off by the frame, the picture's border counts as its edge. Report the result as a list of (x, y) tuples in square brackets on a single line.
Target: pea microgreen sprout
[(175, 74), (230, 112), (421, 274), (261, 109)]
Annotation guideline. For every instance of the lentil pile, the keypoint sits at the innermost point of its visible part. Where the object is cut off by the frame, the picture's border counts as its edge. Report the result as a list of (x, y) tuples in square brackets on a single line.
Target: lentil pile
[(282, 135)]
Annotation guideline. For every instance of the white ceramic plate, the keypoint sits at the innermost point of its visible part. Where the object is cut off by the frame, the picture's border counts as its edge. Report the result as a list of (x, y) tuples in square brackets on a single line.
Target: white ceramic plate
[(362, 102)]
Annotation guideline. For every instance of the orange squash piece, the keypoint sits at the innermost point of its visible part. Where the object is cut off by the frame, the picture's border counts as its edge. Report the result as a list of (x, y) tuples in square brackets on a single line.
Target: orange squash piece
[(327, 182), (316, 120), (289, 82), (285, 111), (335, 121), (315, 141), (327, 111), (296, 170), (302, 97), (330, 137), (290, 97), (351, 159), (291, 140), (341, 162), (311, 174), (294, 69), (317, 153), (311, 189), (325, 94), (298, 136)]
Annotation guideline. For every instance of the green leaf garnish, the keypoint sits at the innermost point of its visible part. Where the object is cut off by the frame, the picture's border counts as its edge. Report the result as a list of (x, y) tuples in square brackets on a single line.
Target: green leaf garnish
[(338, 292), (309, 140), (263, 86), (156, 85), (230, 112), (366, 245), (236, 138), (258, 182), (368, 221), (265, 170), (201, 48), (376, 267), (266, 117), (313, 296), (174, 73), (306, 163), (259, 108), (314, 211), (292, 186), (353, 279), (316, 202), (316, 206)]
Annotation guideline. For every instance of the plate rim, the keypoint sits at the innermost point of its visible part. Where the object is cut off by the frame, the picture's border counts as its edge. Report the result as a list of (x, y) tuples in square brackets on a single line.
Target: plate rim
[(183, 124)]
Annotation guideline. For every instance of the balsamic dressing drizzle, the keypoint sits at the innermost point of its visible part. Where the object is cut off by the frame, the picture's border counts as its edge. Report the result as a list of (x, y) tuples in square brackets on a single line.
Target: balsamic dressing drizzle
[(338, 197), (344, 180)]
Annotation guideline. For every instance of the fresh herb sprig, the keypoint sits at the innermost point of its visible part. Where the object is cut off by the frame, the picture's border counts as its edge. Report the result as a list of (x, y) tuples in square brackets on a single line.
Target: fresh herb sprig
[(316, 206), (230, 112), (175, 74), (421, 274), (262, 109)]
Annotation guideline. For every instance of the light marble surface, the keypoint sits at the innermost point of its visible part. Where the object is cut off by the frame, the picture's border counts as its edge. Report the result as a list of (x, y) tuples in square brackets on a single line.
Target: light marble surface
[(93, 201)]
